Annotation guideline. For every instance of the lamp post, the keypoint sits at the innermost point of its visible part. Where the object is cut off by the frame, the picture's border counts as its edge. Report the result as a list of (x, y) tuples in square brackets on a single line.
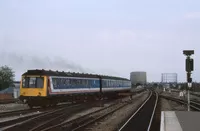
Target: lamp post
[(189, 68)]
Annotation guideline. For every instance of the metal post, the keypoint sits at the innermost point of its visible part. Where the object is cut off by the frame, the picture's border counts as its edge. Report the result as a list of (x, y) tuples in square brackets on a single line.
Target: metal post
[(188, 99), (189, 68), (188, 87)]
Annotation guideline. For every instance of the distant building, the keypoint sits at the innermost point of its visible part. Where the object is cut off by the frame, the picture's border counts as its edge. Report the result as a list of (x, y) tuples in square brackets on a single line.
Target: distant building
[(138, 78), (13, 90)]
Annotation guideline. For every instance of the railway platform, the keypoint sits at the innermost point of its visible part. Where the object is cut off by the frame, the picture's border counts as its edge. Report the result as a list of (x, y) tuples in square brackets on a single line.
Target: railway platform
[(180, 121)]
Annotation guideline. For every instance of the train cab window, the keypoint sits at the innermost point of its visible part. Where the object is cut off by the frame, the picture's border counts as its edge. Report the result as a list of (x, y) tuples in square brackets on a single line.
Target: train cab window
[(25, 82), (33, 82), (40, 82)]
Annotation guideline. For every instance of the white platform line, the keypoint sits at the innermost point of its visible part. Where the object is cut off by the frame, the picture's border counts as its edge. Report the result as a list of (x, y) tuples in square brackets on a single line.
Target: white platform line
[(162, 123), (169, 121)]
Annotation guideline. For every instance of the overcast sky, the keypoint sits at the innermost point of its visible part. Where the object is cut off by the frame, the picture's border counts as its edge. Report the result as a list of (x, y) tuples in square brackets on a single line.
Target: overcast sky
[(112, 37)]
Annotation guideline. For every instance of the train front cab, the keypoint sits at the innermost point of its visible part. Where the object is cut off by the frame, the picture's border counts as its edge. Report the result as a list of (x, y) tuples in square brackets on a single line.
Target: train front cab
[(33, 90)]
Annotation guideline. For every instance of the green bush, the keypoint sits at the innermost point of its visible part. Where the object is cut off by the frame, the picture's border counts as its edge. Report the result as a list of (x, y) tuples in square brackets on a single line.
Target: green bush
[(6, 77)]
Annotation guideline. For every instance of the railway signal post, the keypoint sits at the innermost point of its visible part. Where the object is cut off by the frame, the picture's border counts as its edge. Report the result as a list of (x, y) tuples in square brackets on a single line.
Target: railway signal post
[(189, 67)]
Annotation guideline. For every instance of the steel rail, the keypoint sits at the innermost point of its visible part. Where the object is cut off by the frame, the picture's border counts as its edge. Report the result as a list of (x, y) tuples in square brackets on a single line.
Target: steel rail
[(136, 111), (153, 112)]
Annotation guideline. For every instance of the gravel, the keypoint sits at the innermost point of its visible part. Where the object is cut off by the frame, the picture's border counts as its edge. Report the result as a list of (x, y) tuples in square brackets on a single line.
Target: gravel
[(82, 113), (109, 124), (12, 107), (176, 95), (168, 105), (113, 121), (93, 109), (17, 117), (165, 105)]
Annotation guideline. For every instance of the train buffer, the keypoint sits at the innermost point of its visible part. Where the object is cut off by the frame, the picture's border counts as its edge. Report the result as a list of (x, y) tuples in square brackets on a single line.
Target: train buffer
[(180, 121)]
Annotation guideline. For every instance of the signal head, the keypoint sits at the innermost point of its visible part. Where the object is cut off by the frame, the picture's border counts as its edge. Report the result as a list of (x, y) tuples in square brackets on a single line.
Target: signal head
[(188, 52)]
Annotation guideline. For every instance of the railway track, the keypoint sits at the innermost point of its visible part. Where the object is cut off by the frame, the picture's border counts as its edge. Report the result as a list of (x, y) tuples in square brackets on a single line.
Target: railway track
[(193, 104), (26, 111), (17, 112), (48, 118), (144, 114), (29, 123), (84, 121), (11, 118), (20, 112), (198, 95), (54, 116)]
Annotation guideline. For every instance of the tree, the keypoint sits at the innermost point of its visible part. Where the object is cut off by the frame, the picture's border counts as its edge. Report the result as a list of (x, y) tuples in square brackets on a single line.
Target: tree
[(6, 77)]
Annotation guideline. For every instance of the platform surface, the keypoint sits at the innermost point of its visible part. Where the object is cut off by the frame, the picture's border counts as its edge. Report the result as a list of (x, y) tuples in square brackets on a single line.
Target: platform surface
[(180, 121)]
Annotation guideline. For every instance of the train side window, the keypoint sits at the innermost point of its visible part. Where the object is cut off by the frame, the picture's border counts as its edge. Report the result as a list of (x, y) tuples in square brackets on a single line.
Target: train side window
[(67, 82), (86, 83), (103, 83), (54, 82), (64, 81), (73, 82), (82, 82), (70, 82), (89, 83), (79, 82), (111, 83)]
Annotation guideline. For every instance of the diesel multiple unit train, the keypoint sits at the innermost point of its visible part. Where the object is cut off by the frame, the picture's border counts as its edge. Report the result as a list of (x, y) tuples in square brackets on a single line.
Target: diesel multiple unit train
[(47, 88)]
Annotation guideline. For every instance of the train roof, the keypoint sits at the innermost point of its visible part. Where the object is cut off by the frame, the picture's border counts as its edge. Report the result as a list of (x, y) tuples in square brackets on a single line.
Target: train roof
[(69, 74)]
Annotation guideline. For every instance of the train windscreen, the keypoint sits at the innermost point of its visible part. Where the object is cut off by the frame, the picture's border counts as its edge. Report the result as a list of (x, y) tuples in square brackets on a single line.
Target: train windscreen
[(32, 82)]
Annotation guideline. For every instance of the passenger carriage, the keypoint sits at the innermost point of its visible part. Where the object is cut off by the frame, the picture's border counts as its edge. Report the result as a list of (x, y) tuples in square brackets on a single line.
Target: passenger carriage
[(47, 88)]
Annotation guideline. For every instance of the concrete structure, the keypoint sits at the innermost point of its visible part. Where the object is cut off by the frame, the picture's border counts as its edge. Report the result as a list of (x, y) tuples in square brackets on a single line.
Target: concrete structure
[(169, 78), (180, 121), (16, 90), (138, 78)]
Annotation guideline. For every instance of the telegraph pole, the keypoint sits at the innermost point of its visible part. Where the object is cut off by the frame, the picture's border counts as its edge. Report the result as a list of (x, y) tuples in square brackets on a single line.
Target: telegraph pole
[(189, 67)]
